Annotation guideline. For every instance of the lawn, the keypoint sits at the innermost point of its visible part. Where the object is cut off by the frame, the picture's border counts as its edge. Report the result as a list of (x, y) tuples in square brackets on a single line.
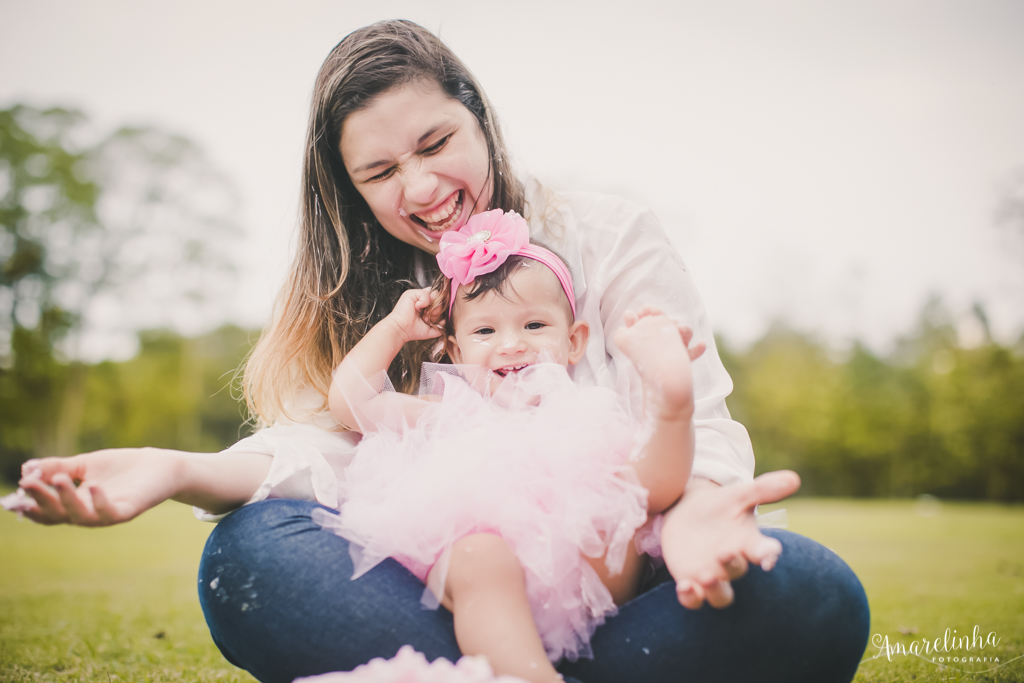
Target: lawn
[(120, 603)]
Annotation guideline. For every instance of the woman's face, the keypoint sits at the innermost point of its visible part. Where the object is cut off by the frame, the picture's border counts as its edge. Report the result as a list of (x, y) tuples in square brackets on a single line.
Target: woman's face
[(420, 161)]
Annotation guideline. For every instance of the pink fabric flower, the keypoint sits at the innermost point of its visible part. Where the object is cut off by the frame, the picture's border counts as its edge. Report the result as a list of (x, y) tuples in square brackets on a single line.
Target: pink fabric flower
[(481, 245)]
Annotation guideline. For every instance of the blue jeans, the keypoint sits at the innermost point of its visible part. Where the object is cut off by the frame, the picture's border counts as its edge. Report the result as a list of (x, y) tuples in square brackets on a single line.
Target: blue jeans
[(280, 603)]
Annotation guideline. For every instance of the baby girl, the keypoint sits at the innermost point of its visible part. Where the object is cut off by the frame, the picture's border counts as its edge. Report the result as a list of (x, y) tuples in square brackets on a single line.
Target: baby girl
[(512, 493)]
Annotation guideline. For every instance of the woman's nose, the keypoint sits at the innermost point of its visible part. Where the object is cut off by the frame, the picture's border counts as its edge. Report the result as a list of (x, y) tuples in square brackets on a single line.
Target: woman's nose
[(420, 185)]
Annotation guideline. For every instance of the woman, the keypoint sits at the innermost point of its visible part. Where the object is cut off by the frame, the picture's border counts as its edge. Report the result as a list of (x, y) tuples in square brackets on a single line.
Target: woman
[(402, 147)]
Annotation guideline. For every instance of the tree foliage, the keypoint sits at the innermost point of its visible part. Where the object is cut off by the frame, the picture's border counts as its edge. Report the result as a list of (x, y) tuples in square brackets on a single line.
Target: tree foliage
[(933, 418), (97, 233)]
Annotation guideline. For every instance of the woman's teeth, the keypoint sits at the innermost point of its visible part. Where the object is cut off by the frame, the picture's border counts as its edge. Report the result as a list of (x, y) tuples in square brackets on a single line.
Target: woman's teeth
[(511, 369), (444, 216)]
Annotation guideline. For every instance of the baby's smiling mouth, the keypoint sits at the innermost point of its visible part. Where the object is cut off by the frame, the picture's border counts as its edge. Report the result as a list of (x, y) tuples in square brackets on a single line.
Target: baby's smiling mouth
[(510, 369), (444, 216)]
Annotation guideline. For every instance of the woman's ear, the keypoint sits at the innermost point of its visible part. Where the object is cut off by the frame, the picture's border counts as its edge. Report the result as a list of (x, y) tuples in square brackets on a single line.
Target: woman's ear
[(579, 334)]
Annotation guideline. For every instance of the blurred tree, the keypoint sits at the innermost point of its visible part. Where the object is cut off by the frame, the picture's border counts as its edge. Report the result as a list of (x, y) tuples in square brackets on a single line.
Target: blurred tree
[(132, 228), (932, 418), (176, 393)]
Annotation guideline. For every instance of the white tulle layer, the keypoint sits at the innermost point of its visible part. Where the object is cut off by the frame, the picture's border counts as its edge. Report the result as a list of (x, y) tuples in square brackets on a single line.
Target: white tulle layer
[(409, 666), (538, 461)]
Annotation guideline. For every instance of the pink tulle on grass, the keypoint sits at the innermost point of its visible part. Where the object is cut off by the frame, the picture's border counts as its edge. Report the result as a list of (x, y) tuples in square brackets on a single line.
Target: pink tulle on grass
[(409, 666)]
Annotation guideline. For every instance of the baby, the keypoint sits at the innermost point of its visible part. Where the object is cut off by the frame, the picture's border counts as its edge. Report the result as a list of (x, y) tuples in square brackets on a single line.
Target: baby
[(514, 494)]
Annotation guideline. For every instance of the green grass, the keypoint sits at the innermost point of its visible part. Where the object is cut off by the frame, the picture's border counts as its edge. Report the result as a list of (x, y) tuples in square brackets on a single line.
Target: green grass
[(927, 568), (120, 603), (106, 604)]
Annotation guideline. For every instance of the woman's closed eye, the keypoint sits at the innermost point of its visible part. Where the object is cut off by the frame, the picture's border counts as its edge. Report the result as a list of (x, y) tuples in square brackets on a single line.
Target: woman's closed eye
[(429, 151), (382, 176), (437, 146)]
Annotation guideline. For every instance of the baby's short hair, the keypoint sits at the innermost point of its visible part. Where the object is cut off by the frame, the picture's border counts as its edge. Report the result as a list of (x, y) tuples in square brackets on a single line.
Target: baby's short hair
[(498, 281)]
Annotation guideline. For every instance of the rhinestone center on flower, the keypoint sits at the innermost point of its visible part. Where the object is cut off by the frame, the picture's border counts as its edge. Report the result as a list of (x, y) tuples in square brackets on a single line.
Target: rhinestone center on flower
[(481, 236)]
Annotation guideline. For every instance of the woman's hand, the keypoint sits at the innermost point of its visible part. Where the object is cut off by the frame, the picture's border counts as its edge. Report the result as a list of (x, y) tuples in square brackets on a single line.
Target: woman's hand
[(711, 535), (113, 486), (118, 484), (407, 316)]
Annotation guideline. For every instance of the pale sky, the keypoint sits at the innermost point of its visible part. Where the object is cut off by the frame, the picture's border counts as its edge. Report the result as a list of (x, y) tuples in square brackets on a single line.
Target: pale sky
[(832, 163)]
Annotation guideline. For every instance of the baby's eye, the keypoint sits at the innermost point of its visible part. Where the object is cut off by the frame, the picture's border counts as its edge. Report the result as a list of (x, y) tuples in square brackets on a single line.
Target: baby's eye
[(437, 146), (484, 330), (534, 325)]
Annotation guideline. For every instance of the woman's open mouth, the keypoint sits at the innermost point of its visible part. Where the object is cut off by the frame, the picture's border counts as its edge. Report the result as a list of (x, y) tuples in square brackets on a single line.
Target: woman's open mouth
[(510, 369), (442, 218)]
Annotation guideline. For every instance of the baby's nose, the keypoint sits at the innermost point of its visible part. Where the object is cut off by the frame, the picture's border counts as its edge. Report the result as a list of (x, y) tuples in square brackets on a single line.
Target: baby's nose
[(511, 343)]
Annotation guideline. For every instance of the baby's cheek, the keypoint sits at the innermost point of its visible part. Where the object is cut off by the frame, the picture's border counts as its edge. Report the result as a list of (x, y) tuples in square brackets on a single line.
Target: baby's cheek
[(476, 350), (554, 352)]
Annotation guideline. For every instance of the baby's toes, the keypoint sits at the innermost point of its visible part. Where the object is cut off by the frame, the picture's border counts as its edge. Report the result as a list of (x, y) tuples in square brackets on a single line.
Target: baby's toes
[(648, 311), (623, 339), (685, 333)]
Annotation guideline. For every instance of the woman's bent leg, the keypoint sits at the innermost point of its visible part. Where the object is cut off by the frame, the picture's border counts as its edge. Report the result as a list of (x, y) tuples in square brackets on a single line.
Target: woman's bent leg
[(280, 602), (805, 620)]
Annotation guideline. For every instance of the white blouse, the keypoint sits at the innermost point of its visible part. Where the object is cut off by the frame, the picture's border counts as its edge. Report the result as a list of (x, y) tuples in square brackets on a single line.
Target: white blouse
[(621, 260)]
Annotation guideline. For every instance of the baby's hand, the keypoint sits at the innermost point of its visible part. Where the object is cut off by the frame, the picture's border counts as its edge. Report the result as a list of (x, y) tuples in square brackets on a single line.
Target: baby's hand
[(407, 316)]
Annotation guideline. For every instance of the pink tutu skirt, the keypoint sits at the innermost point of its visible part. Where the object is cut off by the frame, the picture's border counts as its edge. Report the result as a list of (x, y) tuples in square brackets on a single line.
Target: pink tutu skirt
[(532, 458)]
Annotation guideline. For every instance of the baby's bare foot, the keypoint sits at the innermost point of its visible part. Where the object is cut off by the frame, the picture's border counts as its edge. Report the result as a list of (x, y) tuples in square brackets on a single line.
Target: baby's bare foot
[(657, 346)]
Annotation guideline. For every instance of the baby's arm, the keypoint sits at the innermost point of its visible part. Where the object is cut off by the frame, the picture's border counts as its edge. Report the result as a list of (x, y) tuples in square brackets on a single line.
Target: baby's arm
[(375, 352), (657, 346)]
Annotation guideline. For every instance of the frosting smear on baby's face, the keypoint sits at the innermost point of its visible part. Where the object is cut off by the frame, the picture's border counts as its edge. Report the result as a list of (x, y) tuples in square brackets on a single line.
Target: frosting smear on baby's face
[(528, 323)]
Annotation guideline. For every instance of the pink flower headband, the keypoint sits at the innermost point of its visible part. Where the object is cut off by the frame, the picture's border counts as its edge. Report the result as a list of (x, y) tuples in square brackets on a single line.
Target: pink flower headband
[(485, 242)]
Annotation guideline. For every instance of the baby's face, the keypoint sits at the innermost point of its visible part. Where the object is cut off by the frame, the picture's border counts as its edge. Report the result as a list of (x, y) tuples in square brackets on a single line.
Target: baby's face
[(507, 335)]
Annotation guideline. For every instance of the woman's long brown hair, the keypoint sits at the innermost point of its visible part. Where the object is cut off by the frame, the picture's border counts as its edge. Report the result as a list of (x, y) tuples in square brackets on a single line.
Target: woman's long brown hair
[(348, 272)]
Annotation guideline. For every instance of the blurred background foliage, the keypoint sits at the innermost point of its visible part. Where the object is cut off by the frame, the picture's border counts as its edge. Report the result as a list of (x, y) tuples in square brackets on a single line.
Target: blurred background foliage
[(933, 417), (100, 234)]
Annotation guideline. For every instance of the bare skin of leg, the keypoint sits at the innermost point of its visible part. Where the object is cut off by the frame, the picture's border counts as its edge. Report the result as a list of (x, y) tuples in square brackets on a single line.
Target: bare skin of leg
[(486, 592), (623, 586), (657, 347), (710, 535)]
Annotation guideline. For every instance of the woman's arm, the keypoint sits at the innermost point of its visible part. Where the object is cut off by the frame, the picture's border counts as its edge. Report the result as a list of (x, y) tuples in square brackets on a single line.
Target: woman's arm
[(375, 352), (116, 485)]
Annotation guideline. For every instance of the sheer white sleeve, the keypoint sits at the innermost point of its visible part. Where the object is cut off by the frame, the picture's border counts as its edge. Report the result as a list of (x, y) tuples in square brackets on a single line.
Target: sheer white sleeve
[(309, 461)]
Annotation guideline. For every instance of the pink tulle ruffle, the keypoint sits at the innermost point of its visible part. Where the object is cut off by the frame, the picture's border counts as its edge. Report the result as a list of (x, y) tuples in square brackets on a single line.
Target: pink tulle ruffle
[(538, 461)]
